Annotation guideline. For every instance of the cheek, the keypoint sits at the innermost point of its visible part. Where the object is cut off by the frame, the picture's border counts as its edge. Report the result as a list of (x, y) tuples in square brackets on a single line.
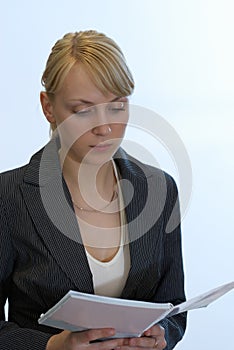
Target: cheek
[(82, 142), (118, 129), (71, 130)]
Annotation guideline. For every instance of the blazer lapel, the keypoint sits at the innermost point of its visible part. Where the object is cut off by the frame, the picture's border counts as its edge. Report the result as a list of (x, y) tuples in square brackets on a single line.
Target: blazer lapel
[(49, 204), (143, 197)]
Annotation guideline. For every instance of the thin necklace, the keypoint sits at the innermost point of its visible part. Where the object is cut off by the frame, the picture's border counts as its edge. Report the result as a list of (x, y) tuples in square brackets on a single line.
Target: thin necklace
[(96, 210)]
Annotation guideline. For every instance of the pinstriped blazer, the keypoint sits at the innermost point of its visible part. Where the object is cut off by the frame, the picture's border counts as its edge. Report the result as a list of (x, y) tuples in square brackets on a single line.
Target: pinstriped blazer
[(41, 255)]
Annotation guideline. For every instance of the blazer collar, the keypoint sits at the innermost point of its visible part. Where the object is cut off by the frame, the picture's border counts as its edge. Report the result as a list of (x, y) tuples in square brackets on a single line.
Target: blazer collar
[(44, 165)]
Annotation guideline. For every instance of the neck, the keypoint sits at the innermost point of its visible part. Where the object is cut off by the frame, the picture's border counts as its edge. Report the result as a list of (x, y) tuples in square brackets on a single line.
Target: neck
[(92, 174), (89, 183)]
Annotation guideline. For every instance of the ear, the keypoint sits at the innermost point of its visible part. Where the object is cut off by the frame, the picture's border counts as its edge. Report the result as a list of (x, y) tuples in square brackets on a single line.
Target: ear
[(47, 107)]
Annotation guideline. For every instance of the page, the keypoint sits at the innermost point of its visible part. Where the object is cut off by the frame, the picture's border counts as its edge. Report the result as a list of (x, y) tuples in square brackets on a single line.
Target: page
[(79, 311), (203, 300)]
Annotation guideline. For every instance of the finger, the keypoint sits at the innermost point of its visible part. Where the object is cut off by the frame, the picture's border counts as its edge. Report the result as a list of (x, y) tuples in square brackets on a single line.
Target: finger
[(107, 344), (115, 343), (160, 343), (148, 342), (94, 334), (155, 331), (158, 346)]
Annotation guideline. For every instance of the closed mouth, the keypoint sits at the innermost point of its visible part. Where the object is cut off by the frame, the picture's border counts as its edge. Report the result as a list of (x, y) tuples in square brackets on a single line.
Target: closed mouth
[(101, 146)]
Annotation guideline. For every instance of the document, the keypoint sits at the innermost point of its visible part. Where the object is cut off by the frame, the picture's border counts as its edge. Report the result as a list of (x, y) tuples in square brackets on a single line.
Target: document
[(79, 311)]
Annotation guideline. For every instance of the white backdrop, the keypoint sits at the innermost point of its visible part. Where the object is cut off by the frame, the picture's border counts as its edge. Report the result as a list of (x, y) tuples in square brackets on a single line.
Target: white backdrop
[(181, 55)]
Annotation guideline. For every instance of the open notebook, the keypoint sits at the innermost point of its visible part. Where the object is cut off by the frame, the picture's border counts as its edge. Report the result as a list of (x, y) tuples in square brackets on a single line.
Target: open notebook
[(78, 311)]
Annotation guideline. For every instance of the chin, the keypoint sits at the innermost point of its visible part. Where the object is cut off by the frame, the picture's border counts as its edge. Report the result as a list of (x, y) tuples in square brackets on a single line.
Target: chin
[(98, 159)]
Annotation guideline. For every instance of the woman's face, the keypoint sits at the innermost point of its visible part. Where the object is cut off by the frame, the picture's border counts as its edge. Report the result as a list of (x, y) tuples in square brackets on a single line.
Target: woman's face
[(91, 125)]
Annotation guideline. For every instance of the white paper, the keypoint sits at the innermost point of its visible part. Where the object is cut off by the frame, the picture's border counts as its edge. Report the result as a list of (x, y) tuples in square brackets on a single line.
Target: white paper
[(78, 311), (203, 300)]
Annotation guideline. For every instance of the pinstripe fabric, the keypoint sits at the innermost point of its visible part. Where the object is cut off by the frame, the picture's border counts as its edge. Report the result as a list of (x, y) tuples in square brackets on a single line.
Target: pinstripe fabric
[(39, 264)]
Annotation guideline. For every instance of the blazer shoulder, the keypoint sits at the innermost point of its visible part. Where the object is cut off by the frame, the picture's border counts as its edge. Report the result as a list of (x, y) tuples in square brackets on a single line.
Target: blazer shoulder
[(148, 170), (11, 179), (169, 179)]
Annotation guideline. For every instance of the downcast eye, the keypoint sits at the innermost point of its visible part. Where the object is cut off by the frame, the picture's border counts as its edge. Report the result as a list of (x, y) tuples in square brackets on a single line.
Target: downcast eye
[(85, 111), (117, 106)]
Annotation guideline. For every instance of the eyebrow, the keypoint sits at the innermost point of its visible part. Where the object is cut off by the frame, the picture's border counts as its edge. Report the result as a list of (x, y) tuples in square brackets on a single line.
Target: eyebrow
[(89, 102)]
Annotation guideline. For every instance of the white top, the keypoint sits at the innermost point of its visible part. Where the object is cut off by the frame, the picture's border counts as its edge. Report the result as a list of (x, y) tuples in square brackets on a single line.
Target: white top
[(110, 277)]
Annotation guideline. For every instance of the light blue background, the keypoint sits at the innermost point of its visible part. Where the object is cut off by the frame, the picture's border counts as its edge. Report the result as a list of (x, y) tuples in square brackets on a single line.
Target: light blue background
[(181, 54)]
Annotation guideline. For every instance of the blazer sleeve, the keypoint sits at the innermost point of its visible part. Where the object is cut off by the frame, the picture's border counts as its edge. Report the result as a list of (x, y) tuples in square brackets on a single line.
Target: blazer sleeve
[(13, 337), (171, 286)]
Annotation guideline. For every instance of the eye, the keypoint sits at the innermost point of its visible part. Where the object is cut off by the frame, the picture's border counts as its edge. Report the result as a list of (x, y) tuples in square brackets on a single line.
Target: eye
[(85, 111), (117, 106)]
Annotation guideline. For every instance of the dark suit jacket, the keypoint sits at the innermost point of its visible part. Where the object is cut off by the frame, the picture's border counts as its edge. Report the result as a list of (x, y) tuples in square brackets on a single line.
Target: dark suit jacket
[(41, 255)]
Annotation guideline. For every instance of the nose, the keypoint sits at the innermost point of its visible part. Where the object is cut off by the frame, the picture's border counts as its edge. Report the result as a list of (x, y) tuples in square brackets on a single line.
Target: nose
[(102, 130)]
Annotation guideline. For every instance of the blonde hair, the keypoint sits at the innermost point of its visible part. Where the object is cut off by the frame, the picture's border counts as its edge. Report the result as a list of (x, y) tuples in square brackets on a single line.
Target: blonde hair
[(101, 57)]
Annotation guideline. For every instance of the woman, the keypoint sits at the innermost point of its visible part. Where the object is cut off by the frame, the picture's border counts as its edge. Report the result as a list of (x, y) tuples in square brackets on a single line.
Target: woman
[(83, 214)]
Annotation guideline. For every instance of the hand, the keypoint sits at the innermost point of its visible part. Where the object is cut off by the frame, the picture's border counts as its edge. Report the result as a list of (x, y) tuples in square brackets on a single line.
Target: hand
[(153, 338), (157, 332), (67, 340)]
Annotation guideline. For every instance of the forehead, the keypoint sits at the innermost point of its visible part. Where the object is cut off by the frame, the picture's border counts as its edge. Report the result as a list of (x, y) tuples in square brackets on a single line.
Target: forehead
[(78, 85)]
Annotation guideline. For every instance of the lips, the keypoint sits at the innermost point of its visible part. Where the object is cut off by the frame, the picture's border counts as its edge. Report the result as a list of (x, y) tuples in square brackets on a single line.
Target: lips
[(101, 146)]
